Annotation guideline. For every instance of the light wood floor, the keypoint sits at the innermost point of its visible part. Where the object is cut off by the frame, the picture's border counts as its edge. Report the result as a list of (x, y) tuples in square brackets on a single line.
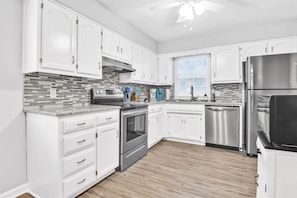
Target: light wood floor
[(180, 170)]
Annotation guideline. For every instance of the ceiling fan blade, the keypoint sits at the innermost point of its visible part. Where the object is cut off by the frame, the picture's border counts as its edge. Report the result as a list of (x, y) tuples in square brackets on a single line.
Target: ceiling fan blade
[(211, 6), (167, 5), (180, 19)]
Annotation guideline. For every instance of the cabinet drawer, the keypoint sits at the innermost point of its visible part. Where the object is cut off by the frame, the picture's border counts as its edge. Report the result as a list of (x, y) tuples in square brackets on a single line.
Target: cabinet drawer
[(155, 108), (79, 140), (78, 124), (78, 161), (79, 182), (107, 117)]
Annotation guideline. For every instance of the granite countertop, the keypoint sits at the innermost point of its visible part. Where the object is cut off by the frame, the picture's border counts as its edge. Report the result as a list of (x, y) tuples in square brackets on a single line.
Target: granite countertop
[(195, 102), (66, 111)]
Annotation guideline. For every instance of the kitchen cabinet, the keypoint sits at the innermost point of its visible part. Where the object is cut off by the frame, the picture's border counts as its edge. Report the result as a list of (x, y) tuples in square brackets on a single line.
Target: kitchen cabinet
[(155, 124), (107, 148), (282, 45), (69, 154), (186, 123), (60, 41), (226, 67), (165, 68), (116, 47), (89, 57), (58, 47), (253, 49), (276, 175), (146, 64), (268, 47)]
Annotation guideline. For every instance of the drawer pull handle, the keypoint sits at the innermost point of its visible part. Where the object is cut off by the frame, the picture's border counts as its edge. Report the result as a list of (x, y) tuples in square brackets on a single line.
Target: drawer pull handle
[(82, 141), (82, 181), (81, 124), (108, 118), (82, 161)]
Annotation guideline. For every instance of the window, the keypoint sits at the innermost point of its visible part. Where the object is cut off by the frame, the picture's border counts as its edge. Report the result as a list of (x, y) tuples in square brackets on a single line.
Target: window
[(192, 71)]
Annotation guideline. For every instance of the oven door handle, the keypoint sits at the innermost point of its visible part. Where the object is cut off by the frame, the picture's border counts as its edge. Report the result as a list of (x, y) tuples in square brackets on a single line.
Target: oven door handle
[(135, 112)]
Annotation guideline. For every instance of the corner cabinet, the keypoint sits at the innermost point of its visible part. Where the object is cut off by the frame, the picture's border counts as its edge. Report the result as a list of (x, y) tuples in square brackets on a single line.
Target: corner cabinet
[(58, 40), (186, 123), (226, 65), (276, 174), (67, 155)]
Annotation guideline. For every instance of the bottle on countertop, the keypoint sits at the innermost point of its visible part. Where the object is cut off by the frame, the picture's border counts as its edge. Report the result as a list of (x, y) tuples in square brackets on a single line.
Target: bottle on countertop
[(205, 97)]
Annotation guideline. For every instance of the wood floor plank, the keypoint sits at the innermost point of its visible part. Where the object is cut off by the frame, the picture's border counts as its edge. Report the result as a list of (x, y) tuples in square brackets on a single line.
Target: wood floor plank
[(178, 170)]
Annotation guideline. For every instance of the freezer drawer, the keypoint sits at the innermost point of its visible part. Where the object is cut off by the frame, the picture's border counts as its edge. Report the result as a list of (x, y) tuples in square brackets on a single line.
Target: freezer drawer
[(222, 126)]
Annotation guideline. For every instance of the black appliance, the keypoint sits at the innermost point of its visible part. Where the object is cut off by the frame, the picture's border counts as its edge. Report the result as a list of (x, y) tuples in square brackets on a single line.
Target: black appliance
[(133, 124), (277, 118)]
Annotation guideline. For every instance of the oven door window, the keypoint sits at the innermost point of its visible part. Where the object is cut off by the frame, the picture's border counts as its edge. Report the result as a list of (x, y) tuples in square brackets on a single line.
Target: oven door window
[(135, 127)]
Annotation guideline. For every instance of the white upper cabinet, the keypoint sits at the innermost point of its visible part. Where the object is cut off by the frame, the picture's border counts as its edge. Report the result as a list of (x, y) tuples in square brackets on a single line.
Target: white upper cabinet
[(117, 47), (282, 46), (58, 38), (89, 58), (253, 49), (153, 66), (226, 67), (110, 43), (165, 66), (137, 63), (126, 50), (146, 65)]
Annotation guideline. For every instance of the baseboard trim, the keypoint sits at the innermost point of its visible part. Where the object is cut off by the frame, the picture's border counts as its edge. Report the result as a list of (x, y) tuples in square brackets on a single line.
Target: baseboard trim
[(16, 191), (184, 141)]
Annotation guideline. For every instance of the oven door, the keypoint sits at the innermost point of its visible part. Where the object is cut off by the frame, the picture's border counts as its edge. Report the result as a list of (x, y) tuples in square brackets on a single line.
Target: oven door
[(134, 124)]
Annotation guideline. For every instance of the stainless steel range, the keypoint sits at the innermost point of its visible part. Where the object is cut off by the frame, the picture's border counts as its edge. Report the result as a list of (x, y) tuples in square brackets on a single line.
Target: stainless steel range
[(133, 125)]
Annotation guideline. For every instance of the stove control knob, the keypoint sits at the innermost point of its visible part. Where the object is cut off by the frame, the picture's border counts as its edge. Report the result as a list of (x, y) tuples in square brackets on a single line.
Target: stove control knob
[(97, 92), (101, 91)]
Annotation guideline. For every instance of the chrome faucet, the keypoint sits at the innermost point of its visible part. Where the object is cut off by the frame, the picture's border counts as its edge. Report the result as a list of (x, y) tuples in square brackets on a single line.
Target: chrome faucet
[(192, 94)]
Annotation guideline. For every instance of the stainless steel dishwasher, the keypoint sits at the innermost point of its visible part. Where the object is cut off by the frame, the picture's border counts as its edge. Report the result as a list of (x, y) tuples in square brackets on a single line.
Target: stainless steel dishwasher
[(222, 126)]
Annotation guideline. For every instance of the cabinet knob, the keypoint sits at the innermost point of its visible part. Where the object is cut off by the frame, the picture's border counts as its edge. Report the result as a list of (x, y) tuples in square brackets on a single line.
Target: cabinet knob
[(272, 48), (73, 60), (99, 64)]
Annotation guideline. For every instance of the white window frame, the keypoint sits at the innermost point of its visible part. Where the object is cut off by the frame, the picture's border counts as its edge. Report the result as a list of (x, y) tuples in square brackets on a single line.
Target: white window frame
[(208, 55)]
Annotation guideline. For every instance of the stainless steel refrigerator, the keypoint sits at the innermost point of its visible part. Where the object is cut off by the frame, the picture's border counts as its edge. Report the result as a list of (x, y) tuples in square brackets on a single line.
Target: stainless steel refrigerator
[(266, 75)]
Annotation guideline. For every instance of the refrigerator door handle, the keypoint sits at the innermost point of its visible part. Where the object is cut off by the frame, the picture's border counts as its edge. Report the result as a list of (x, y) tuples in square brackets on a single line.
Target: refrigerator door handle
[(251, 76)]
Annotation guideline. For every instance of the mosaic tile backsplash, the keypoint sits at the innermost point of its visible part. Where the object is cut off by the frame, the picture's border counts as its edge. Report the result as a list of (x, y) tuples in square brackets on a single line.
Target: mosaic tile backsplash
[(71, 91), (230, 93)]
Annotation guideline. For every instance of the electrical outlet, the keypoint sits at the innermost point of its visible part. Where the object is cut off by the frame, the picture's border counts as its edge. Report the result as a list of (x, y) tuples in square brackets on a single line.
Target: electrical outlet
[(53, 92)]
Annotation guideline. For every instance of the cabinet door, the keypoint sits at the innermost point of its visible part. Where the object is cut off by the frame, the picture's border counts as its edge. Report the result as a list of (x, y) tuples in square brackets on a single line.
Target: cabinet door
[(137, 63), (146, 65), (193, 127), (253, 49), (176, 126), (110, 43), (126, 50), (58, 38), (152, 127), (226, 65), (89, 48), (261, 179), (153, 68), (164, 64), (160, 126), (283, 46), (107, 148)]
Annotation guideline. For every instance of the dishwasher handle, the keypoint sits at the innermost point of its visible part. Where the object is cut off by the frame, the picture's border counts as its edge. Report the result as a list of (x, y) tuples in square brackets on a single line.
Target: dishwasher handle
[(222, 108)]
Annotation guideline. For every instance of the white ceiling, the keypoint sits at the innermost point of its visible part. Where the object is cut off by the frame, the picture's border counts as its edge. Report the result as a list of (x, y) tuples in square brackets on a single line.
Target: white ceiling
[(160, 24)]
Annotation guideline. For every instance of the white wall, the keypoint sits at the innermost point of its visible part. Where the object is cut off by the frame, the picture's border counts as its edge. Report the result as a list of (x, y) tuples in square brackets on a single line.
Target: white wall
[(243, 34), (12, 124), (102, 15)]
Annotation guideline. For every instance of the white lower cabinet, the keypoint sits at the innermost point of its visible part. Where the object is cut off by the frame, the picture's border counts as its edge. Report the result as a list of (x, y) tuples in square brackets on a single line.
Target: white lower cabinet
[(276, 174), (155, 124), (186, 122), (67, 155)]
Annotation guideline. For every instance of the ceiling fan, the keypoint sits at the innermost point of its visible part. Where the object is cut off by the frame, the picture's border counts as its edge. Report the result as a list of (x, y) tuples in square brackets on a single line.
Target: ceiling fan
[(188, 8)]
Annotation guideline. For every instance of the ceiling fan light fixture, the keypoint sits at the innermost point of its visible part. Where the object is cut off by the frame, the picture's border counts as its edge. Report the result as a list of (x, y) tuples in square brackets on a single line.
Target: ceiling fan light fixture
[(198, 8), (186, 11)]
